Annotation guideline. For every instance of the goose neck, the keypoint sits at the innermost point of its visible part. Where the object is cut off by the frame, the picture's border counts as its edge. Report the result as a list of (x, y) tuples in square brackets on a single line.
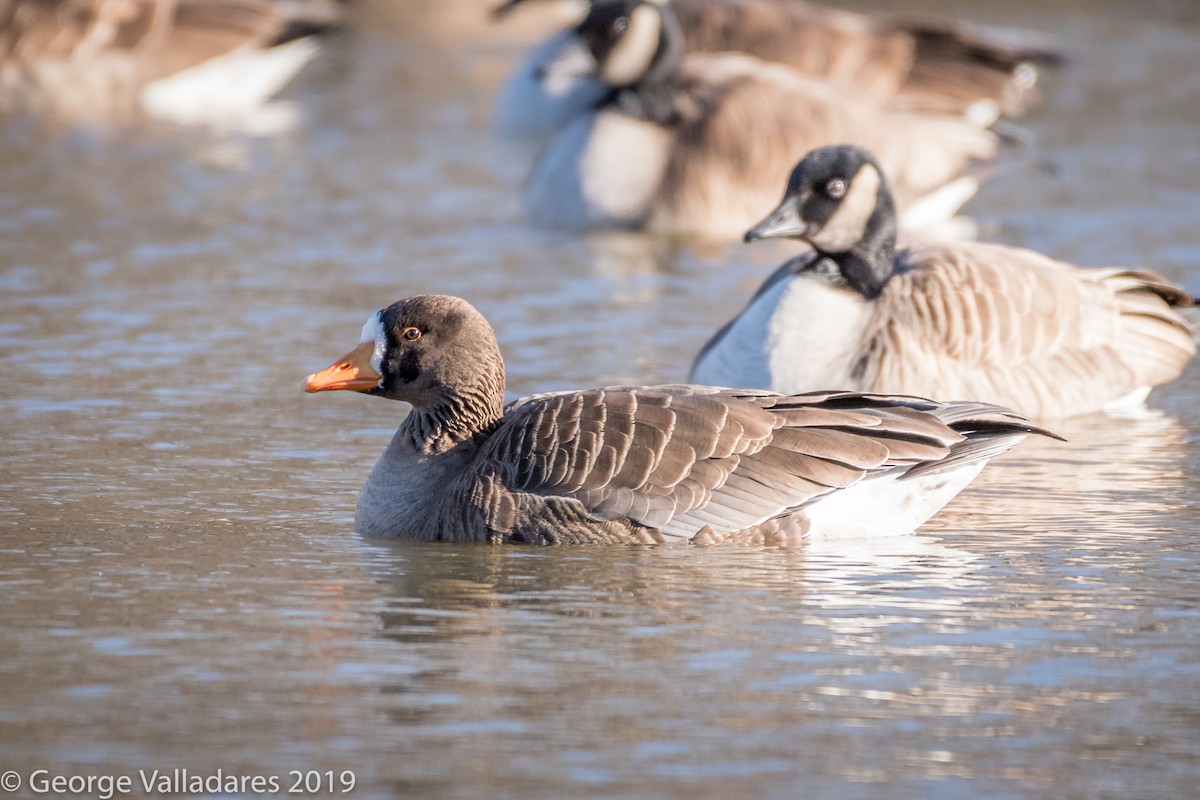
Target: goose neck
[(870, 263), (455, 418)]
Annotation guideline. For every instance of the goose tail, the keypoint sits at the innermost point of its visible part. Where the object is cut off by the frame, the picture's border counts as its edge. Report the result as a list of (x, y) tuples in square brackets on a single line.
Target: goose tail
[(971, 68)]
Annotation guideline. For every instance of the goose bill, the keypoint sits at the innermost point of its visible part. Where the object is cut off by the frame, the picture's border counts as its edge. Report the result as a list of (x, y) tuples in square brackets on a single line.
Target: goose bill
[(783, 221), (352, 372)]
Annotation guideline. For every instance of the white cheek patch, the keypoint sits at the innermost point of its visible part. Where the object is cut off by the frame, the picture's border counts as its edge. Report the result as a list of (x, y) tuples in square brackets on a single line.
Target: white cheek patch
[(630, 59), (372, 331), (848, 224)]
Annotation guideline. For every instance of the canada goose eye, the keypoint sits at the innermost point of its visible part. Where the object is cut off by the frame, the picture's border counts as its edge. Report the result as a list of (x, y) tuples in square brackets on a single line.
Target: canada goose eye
[(410, 334), (619, 25), (836, 188)]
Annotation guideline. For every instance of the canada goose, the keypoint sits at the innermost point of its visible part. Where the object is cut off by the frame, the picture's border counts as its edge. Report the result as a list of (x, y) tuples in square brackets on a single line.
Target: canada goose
[(189, 61), (913, 64), (695, 144), (640, 464), (947, 320)]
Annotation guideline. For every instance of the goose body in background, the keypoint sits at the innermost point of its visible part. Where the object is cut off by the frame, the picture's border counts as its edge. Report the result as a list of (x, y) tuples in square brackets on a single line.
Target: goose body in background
[(952, 319), (641, 464), (531, 104), (910, 64), (188, 61), (695, 144)]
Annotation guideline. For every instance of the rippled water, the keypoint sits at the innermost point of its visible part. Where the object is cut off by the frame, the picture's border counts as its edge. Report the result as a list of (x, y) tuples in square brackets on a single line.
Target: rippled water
[(180, 585)]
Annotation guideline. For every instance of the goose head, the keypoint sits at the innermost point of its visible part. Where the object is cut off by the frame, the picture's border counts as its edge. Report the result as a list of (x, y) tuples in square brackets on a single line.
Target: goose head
[(622, 43), (433, 351), (838, 201)]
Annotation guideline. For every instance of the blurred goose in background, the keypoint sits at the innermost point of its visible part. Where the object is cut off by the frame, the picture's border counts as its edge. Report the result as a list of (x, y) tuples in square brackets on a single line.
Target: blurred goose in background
[(913, 64), (188, 61), (696, 143), (640, 464), (947, 320)]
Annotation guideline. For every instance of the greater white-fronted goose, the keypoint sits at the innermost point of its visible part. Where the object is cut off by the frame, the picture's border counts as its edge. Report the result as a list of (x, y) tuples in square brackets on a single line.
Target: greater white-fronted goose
[(695, 144), (915, 64), (640, 464), (949, 320), (185, 60)]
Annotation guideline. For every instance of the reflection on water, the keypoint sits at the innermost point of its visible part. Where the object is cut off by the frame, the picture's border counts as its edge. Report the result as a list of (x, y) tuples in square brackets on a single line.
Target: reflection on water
[(180, 586), (900, 663), (1115, 473)]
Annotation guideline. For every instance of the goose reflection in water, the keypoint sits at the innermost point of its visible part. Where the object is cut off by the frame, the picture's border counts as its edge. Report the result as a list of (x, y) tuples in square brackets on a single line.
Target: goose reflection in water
[(1116, 476), (967, 630)]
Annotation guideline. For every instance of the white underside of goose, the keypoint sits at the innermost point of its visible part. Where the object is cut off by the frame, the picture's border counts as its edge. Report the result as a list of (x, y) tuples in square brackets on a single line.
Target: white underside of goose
[(887, 505), (800, 333), (933, 216), (584, 178), (528, 106), (877, 507), (232, 89)]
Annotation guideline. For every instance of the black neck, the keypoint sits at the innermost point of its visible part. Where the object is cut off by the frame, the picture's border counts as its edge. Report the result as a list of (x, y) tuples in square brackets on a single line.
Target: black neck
[(670, 49), (648, 102), (652, 98), (871, 262)]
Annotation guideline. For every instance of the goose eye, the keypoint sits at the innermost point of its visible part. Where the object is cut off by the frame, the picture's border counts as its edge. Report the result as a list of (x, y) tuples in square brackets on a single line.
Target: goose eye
[(410, 334), (620, 24), (836, 188)]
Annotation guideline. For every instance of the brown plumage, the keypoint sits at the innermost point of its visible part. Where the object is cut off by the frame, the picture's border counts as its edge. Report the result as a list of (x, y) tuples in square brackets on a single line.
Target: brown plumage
[(1009, 324), (929, 65), (82, 58), (740, 123), (639, 464), (700, 147), (914, 64), (952, 319)]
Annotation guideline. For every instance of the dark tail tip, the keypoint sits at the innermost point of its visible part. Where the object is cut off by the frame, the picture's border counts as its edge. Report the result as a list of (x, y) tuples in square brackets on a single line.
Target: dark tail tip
[(501, 11)]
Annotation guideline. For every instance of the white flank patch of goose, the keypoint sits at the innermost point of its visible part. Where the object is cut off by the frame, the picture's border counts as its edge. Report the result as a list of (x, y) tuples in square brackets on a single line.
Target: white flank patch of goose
[(190, 61), (696, 144), (913, 64), (952, 319), (641, 464)]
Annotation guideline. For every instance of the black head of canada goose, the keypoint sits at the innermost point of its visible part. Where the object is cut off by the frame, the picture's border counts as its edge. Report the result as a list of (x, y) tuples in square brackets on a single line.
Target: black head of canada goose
[(696, 143), (947, 320), (912, 64), (640, 464), (190, 61)]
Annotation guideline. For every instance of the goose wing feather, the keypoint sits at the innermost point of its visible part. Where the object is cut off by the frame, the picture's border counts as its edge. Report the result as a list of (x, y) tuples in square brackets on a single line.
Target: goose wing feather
[(839, 46), (982, 320), (166, 36), (682, 458), (721, 96), (921, 63)]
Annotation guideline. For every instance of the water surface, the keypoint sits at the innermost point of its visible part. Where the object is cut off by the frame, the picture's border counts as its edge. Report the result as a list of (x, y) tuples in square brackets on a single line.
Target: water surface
[(181, 586)]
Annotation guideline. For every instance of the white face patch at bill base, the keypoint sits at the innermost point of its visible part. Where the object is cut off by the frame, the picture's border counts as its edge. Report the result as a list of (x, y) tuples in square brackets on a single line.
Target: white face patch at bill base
[(372, 331)]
